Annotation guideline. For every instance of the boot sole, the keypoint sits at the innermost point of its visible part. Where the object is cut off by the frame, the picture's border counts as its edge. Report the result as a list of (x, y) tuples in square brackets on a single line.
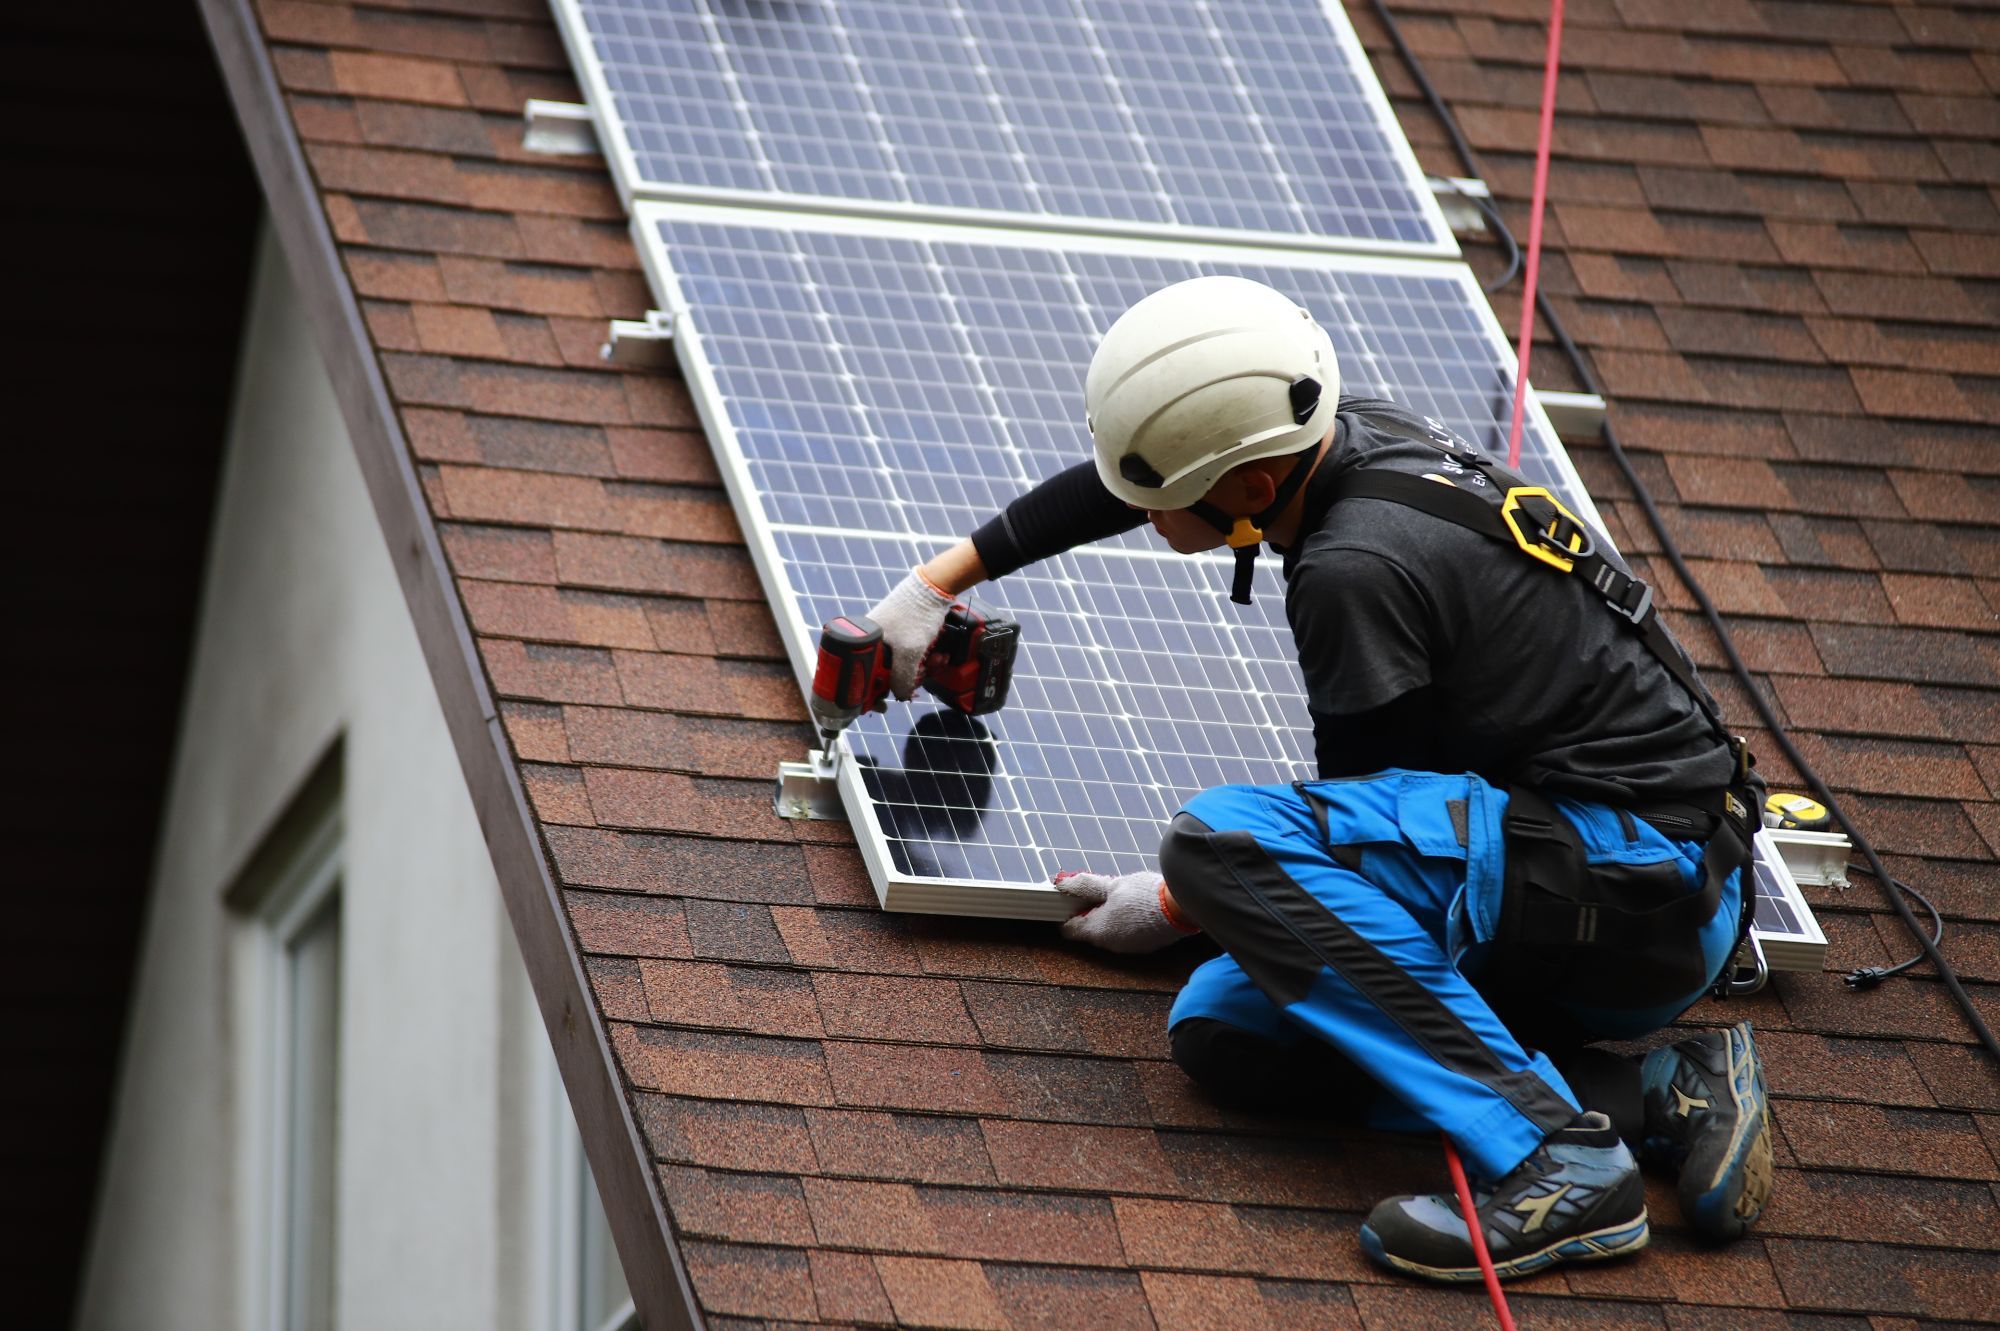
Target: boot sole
[(1599, 1245), (1722, 1201)]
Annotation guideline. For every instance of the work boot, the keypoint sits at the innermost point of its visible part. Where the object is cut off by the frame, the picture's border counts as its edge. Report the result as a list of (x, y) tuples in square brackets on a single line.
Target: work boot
[(1707, 1116), (1576, 1198)]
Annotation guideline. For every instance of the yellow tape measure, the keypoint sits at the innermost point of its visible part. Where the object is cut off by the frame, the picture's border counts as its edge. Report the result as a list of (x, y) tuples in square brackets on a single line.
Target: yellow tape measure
[(1797, 813)]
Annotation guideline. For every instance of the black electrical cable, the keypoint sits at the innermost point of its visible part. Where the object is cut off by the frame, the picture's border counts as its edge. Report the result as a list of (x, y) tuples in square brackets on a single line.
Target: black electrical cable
[(1506, 235), (1671, 549), (1459, 146), (1870, 976)]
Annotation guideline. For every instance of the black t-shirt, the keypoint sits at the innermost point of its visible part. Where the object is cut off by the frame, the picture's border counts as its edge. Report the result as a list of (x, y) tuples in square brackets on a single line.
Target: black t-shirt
[(1428, 646)]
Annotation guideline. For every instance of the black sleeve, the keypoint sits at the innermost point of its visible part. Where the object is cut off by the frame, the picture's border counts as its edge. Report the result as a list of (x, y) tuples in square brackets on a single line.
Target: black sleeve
[(1365, 628), (1397, 734), (1069, 509)]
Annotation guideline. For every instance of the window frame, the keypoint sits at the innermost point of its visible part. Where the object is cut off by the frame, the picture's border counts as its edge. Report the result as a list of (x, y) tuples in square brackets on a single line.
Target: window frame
[(296, 895), (564, 1194)]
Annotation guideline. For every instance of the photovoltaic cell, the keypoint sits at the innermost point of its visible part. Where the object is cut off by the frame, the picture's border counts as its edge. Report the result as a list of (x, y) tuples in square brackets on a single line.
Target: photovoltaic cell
[(1257, 116)]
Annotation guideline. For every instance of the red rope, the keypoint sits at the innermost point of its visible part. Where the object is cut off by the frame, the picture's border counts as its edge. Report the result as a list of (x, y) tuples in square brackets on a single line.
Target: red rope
[(1478, 1232), (1534, 265), (1551, 66)]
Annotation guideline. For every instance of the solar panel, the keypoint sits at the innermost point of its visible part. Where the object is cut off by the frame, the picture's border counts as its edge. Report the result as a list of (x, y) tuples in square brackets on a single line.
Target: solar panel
[(1256, 117), (1791, 938), (876, 391)]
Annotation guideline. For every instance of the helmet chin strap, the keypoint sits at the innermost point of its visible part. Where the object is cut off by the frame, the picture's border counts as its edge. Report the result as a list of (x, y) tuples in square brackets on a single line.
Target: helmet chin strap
[(1245, 535)]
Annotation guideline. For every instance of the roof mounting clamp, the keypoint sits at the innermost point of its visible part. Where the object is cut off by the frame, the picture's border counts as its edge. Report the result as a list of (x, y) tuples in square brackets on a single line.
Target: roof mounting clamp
[(558, 128), (1818, 859), (640, 344), (1575, 415), (1456, 195), (807, 790)]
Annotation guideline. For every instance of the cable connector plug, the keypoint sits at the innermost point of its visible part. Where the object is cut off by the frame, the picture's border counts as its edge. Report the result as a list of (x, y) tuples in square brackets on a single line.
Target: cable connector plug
[(1867, 977)]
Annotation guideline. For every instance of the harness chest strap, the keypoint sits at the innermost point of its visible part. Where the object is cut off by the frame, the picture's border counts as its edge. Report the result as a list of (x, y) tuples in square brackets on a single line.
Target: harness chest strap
[(1553, 536)]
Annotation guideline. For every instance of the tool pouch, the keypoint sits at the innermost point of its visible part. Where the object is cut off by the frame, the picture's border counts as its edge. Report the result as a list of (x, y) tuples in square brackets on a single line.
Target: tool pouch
[(1604, 935)]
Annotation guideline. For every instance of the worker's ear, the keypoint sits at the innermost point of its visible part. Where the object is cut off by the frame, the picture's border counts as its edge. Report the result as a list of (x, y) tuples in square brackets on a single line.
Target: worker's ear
[(1258, 487)]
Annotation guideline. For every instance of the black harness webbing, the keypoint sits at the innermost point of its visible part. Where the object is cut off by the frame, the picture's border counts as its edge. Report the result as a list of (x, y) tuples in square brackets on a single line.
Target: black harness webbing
[(1566, 910)]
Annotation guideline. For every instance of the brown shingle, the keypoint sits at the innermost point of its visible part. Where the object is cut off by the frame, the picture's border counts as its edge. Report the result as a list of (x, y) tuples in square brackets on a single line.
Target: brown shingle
[(718, 1066), (643, 565), (726, 1135), (626, 926), (848, 1288), (737, 998), (680, 866), (1022, 1227), (390, 224), (1057, 1299), (890, 1076), (893, 1008), (742, 1208), (882, 1217), (549, 673), (548, 614), (1873, 1139), (1858, 706), (751, 1281), (929, 1292), (918, 1148), (1236, 1239), (362, 74)]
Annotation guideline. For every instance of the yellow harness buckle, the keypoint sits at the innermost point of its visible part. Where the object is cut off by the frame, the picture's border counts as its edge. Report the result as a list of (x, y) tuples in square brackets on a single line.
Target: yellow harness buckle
[(1552, 539), (1245, 533)]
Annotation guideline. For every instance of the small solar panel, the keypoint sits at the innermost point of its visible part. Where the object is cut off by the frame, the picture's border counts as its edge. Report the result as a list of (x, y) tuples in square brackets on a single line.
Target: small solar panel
[(1260, 117), (876, 391), (1791, 938)]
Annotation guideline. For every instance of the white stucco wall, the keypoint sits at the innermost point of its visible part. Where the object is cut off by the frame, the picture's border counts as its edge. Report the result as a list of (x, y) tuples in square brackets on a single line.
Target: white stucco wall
[(303, 637)]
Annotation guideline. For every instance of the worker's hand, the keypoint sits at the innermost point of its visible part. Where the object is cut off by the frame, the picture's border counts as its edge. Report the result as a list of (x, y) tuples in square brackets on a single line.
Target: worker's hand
[(1123, 914), (910, 617)]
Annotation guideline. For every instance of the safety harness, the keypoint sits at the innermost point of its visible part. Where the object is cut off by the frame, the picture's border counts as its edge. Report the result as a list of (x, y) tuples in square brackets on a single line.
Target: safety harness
[(1569, 925)]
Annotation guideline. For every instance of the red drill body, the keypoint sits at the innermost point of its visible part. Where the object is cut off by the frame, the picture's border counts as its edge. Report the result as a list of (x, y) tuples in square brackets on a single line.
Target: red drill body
[(968, 669)]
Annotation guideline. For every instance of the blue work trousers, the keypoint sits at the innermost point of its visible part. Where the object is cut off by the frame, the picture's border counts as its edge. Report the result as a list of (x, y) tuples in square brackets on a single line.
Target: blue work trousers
[(1352, 911)]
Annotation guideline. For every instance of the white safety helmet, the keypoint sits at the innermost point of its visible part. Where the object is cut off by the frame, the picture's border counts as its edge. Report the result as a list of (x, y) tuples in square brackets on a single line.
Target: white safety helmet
[(1200, 377)]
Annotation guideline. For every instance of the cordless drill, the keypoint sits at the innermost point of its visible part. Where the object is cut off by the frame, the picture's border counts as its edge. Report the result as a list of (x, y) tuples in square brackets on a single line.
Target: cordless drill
[(968, 669)]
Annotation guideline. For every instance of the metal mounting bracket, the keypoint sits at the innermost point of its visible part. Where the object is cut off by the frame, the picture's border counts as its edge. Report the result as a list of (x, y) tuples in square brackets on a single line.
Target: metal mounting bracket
[(809, 790), (559, 129), (1455, 195), (640, 344), (1816, 858), (1575, 415)]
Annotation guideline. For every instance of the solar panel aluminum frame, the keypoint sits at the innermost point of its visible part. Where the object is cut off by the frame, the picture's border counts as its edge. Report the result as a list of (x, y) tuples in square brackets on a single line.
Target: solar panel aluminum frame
[(1787, 949), (633, 187), (954, 896)]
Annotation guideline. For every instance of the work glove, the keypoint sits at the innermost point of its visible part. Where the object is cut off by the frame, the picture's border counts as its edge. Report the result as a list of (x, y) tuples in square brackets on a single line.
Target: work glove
[(910, 617), (1123, 914)]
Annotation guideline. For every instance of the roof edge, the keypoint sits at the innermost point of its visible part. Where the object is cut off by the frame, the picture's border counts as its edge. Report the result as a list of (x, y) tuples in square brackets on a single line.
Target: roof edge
[(655, 1271)]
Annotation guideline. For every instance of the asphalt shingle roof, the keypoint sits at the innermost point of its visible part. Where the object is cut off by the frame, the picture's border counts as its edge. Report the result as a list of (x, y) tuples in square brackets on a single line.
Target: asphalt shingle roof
[(1775, 227)]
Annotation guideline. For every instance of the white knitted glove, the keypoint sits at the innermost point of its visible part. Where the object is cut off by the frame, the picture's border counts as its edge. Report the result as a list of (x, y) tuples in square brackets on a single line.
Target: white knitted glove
[(910, 617), (1124, 914)]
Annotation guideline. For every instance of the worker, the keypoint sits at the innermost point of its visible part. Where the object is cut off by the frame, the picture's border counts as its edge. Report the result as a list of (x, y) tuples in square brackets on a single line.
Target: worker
[(1529, 832)]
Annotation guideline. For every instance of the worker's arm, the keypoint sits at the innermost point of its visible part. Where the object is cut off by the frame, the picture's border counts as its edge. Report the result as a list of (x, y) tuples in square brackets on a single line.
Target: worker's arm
[(1069, 509)]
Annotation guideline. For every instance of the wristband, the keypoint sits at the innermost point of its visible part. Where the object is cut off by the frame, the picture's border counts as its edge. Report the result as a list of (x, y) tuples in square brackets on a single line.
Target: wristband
[(1172, 913), (925, 579)]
